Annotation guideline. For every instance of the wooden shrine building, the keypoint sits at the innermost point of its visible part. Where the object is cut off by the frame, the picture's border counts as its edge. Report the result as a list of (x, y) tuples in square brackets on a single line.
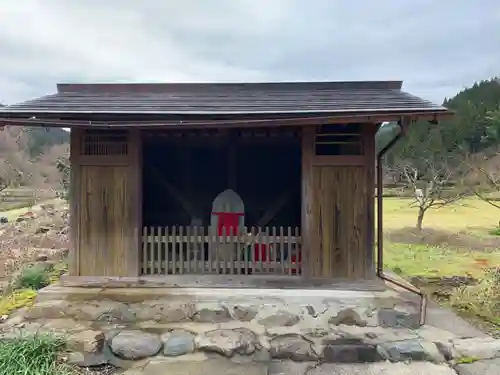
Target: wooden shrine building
[(238, 178)]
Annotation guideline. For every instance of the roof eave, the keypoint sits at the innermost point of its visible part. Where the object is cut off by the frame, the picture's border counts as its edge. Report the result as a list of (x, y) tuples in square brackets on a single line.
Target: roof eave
[(20, 113), (254, 119)]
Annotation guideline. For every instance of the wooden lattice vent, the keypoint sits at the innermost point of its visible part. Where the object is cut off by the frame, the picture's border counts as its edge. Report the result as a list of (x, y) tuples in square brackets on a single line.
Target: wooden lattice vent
[(334, 139), (103, 142)]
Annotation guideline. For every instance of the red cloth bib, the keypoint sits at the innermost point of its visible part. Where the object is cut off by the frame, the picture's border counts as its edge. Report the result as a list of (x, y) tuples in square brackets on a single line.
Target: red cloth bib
[(227, 223)]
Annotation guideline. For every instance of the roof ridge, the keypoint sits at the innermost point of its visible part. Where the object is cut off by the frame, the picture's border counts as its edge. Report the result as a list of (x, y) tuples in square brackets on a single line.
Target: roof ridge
[(192, 86)]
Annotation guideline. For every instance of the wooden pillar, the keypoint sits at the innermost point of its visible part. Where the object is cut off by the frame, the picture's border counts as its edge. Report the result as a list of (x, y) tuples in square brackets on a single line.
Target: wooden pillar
[(74, 194), (136, 168), (106, 202), (369, 131), (307, 197)]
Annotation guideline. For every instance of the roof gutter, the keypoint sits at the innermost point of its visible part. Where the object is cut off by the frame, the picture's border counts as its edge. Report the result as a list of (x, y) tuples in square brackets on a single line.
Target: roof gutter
[(403, 125)]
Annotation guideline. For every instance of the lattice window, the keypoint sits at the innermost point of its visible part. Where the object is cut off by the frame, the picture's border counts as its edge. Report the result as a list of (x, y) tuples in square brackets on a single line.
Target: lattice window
[(334, 139), (100, 142)]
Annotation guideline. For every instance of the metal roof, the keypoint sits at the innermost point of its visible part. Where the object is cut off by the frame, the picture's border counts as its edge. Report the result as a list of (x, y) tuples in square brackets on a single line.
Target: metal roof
[(224, 99)]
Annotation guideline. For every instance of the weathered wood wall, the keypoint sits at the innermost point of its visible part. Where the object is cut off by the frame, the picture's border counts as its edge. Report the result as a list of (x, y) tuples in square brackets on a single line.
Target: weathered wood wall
[(337, 205), (105, 202), (338, 208)]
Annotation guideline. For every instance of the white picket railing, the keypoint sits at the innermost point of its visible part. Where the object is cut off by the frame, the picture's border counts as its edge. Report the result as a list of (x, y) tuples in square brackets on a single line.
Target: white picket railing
[(198, 250)]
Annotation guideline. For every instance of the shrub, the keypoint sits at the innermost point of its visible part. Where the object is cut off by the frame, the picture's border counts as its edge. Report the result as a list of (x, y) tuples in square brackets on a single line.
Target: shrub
[(482, 299), (17, 300), (495, 232), (397, 270), (34, 355), (34, 277), (58, 270)]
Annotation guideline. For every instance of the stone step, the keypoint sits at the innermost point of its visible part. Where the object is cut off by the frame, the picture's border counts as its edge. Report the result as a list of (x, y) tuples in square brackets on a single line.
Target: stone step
[(278, 314), (269, 307), (244, 345), (136, 295), (135, 345)]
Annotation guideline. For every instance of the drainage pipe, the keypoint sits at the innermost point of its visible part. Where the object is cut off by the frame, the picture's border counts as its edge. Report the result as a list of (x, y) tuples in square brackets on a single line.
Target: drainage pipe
[(380, 231)]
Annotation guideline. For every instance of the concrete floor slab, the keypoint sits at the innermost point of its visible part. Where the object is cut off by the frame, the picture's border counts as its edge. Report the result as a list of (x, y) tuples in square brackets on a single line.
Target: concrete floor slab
[(219, 366), (385, 368)]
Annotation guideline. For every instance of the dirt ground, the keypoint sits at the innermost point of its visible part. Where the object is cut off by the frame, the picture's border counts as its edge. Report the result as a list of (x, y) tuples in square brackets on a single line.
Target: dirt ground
[(33, 234)]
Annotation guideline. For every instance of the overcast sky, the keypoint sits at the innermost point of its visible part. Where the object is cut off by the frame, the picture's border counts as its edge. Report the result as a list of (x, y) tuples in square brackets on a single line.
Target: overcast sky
[(437, 47)]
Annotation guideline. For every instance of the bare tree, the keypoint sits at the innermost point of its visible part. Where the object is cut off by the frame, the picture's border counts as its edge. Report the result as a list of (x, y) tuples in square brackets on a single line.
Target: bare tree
[(11, 159), (433, 184), (9, 175), (483, 176), (64, 167), (3, 183)]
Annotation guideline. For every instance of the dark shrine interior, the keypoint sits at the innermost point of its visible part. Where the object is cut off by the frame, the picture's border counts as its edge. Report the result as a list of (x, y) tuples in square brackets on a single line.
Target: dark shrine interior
[(184, 172)]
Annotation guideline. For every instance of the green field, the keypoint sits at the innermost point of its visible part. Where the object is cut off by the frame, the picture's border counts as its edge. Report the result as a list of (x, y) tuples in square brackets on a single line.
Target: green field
[(456, 239)]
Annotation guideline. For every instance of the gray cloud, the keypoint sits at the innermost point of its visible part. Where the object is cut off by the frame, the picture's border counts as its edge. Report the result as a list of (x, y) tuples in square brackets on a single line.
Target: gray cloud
[(436, 47)]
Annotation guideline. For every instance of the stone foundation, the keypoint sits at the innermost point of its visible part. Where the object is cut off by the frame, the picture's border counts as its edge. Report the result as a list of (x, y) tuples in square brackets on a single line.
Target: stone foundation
[(291, 311), (126, 327)]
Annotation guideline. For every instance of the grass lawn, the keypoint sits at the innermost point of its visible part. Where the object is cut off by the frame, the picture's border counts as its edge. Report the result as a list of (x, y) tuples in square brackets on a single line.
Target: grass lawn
[(425, 260), (467, 221), (467, 214)]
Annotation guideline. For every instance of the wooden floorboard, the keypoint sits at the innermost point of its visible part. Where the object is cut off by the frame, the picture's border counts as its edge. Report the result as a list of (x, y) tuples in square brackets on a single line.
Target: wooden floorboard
[(221, 281)]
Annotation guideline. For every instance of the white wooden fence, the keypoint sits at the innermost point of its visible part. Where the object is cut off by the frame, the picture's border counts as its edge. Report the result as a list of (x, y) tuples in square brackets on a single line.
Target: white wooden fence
[(199, 250)]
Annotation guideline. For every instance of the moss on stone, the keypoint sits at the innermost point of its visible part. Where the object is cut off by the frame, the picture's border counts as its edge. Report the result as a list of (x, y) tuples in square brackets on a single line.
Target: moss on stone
[(16, 300), (467, 359)]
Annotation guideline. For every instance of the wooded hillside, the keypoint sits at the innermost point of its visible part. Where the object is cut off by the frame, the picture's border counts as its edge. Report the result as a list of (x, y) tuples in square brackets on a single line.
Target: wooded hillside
[(28, 156), (476, 126)]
